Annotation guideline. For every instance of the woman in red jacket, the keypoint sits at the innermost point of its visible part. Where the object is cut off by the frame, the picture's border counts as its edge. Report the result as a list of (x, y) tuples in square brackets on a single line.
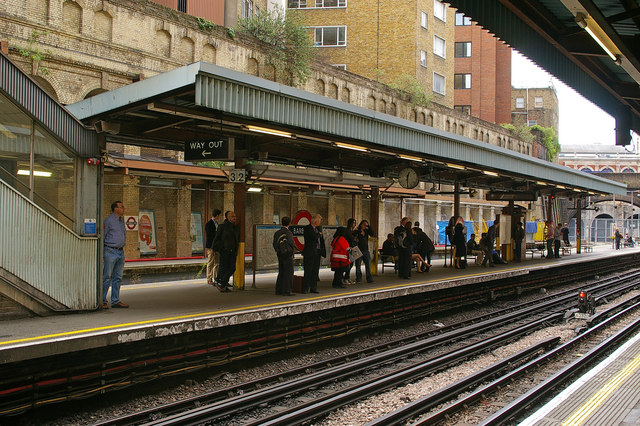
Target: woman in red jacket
[(339, 257)]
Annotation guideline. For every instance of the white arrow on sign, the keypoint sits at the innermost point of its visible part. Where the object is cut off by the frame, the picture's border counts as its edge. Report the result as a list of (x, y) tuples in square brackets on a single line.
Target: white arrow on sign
[(204, 153)]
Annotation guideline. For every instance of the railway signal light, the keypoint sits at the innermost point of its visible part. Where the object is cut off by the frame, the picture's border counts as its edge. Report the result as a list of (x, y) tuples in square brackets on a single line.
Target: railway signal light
[(586, 303)]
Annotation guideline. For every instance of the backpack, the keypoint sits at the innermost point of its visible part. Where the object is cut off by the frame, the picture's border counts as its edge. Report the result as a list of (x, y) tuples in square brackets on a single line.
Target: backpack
[(399, 237), (283, 248)]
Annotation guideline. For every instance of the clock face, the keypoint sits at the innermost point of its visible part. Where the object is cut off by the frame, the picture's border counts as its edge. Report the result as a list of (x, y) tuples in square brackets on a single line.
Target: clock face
[(408, 178)]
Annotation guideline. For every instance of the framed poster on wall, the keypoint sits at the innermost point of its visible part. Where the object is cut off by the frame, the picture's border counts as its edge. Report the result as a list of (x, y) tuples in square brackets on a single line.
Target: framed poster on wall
[(147, 232), (195, 233)]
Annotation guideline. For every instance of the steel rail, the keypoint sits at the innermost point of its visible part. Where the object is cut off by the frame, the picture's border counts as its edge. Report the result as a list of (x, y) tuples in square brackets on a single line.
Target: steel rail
[(509, 411), (382, 354)]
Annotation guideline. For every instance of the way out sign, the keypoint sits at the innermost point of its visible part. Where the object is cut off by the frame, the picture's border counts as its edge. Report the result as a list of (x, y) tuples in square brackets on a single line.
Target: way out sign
[(219, 148)]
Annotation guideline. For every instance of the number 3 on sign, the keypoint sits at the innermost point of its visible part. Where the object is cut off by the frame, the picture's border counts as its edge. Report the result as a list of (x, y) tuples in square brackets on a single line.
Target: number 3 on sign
[(237, 176)]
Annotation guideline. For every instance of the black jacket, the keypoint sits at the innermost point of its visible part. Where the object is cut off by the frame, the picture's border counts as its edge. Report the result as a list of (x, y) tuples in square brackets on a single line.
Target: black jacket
[(227, 237), (311, 238), (363, 238), (210, 231), (289, 235)]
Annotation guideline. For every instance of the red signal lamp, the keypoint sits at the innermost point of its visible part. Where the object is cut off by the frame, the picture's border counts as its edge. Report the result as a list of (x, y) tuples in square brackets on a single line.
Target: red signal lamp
[(93, 161)]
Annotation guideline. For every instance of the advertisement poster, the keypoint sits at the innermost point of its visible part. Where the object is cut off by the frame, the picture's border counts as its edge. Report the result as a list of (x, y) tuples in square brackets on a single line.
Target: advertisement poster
[(147, 232), (195, 234)]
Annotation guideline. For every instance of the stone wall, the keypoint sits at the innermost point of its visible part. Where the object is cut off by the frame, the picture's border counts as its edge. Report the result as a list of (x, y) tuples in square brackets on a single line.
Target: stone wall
[(98, 45)]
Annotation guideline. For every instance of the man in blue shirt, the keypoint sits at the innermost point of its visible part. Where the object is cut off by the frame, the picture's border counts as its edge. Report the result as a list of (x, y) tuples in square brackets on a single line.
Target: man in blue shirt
[(113, 255)]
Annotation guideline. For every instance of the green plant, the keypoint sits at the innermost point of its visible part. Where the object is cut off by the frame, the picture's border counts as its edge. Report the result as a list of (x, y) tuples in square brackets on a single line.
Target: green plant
[(291, 49), (549, 140), (205, 24), (409, 85), (33, 52), (522, 132), (231, 32)]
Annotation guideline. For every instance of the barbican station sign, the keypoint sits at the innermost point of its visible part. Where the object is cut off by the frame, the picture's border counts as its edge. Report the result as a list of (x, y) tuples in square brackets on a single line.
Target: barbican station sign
[(219, 148)]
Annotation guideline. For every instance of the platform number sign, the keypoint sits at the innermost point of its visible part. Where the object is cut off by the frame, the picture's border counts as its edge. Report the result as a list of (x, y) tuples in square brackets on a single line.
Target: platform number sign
[(237, 175)]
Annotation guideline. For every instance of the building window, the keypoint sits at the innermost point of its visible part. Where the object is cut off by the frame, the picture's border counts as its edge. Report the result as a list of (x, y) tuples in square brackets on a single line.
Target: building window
[(319, 4), (423, 19), (440, 46), (532, 122), (439, 83), (463, 49), (341, 66), (182, 6), (537, 102), (462, 20), (331, 3), (462, 81), (423, 58), (519, 103), (465, 109), (247, 8), (440, 10), (330, 36)]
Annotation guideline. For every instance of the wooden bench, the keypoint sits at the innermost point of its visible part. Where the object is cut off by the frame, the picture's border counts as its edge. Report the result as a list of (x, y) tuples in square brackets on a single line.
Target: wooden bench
[(535, 247), (565, 249), (587, 247)]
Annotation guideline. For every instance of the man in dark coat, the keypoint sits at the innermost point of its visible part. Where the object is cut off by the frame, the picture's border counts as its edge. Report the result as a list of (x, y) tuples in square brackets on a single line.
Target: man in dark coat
[(363, 233), (226, 243), (489, 242), (314, 248), (284, 282), (213, 258), (401, 238)]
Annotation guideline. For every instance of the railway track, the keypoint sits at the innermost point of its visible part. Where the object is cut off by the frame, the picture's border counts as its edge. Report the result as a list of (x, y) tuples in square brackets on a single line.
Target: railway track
[(216, 406)]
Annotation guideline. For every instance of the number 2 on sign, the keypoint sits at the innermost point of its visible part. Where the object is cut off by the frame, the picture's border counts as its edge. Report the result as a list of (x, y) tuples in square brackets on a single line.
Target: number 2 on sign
[(236, 176)]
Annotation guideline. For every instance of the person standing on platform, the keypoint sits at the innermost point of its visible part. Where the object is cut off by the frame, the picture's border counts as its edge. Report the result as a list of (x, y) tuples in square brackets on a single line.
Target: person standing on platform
[(488, 242), (363, 233), (213, 258), (556, 241), (284, 247), (618, 238), (351, 236), (403, 242), (549, 232), (339, 256), (113, 256), (518, 236), (460, 244), (226, 244), (313, 249), (565, 234)]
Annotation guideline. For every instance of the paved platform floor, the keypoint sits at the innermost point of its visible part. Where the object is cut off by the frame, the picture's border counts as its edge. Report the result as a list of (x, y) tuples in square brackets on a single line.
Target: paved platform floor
[(172, 307)]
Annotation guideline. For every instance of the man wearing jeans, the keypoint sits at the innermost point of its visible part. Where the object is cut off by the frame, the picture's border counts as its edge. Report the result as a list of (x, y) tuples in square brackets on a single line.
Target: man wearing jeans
[(113, 255)]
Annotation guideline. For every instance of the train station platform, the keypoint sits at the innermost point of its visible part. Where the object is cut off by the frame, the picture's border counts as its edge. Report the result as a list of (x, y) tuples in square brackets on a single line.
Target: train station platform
[(169, 308), (608, 394)]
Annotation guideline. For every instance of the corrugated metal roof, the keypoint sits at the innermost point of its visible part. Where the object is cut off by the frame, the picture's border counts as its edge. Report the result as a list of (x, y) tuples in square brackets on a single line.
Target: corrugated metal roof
[(42, 108), (253, 98)]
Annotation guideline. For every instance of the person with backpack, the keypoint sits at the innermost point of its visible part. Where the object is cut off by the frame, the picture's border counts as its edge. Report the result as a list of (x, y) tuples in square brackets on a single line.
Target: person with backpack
[(403, 241), (284, 246)]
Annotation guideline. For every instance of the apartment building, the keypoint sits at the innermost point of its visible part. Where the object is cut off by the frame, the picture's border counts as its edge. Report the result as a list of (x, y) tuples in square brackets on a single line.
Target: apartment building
[(387, 41), (538, 105), (220, 12), (482, 79)]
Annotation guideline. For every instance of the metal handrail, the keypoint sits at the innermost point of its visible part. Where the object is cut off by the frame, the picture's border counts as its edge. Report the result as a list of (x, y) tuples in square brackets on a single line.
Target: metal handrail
[(43, 252)]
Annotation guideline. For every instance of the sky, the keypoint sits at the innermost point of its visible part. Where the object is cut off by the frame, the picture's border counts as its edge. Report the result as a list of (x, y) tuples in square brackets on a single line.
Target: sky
[(575, 111)]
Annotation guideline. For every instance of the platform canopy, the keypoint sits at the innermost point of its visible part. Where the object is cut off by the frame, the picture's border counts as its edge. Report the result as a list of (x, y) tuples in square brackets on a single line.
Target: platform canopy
[(202, 101)]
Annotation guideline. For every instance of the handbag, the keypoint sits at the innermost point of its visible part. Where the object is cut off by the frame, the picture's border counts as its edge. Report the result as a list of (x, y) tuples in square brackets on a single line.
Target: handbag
[(354, 254)]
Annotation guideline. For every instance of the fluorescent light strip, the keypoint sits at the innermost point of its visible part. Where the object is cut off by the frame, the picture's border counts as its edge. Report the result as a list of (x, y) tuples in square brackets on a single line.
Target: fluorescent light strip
[(254, 189), (456, 166), (351, 147), (269, 131), (490, 173), (35, 173), (561, 186), (592, 34), (539, 182), (409, 157)]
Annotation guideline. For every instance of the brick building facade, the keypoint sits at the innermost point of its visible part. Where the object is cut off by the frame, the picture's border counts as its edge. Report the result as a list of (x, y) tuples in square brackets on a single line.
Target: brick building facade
[(482, 80), (98, 45), (538, 105)]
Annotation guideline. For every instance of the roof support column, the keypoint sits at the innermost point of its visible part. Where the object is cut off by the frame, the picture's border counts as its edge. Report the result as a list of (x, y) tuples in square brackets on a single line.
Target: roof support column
[(374, 225), (240, 191), (579, 226), (456, 199)]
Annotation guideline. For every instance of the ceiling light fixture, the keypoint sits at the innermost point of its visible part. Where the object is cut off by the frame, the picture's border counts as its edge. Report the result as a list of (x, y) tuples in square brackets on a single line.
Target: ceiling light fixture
[(490, 173), (351, 147), (266, 131), (561, 187), (410, 158), (539, 182), (23, 172), (254, 189), (593, 29), (456, 166)]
